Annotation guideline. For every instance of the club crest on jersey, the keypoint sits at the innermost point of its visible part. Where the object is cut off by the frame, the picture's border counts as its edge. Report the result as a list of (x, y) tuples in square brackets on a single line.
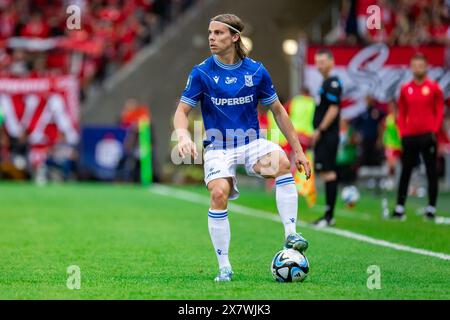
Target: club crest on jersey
[(216, 79), (248, 80), (425, 91), (230, 80)]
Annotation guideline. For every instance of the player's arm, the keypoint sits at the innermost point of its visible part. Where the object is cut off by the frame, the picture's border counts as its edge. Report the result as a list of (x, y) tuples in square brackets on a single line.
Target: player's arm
[(181, 122), (284, 123), (330, 115), (333, 99), (439, 96), (190, 97)]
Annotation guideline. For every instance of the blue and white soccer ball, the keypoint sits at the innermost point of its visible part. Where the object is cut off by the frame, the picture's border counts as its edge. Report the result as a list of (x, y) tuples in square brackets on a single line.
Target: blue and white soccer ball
[(350, 195), (289, 265)]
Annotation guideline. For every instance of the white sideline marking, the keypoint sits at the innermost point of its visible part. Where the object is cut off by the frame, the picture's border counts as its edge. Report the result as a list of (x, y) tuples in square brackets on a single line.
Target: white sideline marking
[(196, 198), (442, 220), (345, 213)]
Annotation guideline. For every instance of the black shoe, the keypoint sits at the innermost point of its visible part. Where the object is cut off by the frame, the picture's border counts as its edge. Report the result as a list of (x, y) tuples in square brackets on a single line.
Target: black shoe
[(398, 216), (324, 222), (429, 216)]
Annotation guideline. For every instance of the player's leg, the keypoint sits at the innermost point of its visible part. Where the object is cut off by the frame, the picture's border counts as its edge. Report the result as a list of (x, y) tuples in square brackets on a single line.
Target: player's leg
[(429, 154), (325, 153), (276, 165), (330, 180), (408, 160), (218, 224)]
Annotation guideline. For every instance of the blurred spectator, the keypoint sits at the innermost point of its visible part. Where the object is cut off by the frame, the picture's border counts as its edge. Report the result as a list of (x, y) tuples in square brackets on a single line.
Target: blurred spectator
[(13, 156), (19, 66), (349, 21), (392, 144), (403, 22), (129, 166), (36, 27), (60, 163), (347, 154), (301, 112), (8, 21), (368, 126), (133, 111)]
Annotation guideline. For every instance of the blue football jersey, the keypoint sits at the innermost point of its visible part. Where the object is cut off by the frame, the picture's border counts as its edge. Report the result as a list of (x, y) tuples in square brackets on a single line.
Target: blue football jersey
[(229, 96)]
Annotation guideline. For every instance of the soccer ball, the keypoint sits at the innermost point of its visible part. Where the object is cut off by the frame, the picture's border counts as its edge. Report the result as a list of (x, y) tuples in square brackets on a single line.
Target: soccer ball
[(289, 265), (350, 195)]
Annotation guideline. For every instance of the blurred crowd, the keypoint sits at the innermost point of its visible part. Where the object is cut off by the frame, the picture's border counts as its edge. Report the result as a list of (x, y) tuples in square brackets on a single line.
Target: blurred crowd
[(403, 22), (35, 39), (63, 161)]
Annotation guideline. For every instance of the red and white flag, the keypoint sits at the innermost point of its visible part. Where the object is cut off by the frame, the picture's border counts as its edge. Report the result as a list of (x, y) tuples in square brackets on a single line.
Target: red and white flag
[(41, 107)]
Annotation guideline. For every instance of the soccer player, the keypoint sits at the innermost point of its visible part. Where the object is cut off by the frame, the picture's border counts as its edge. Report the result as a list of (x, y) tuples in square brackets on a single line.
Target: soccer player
[(326, 135), (420, 116), (229, 86)]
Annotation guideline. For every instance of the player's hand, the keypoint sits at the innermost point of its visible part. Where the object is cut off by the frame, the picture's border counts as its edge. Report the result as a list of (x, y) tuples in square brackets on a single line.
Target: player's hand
[(302, 164), (187, 147), (315, 137)]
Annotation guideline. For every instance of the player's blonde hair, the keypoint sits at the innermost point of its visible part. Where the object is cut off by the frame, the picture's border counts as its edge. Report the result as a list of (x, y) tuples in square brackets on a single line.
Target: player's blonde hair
[(236, 23)]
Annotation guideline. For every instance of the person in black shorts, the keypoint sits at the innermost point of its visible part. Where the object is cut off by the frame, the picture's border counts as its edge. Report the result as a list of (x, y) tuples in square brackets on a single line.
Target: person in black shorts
[(420, 114), (326, 135)]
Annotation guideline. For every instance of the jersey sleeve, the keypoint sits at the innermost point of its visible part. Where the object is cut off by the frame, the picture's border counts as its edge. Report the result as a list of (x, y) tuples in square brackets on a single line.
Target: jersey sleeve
[(333, 92), (266, 93), (193, 92)]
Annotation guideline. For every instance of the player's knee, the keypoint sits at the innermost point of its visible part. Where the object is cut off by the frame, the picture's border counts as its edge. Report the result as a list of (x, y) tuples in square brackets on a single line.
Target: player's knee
[(284, 165), (219, 196), (274, 166)]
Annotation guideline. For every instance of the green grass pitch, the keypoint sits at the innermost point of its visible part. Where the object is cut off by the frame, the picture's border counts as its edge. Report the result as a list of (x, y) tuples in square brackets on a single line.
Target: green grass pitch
[(133, 243)]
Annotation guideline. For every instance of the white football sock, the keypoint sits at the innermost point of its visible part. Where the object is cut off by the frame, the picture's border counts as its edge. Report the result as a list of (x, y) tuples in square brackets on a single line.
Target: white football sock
[(219, 230), (287, 202)]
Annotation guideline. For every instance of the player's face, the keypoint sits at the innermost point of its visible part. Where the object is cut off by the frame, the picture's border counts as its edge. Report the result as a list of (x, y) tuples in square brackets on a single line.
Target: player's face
[(419, 68), (323, 63), (220, 38)]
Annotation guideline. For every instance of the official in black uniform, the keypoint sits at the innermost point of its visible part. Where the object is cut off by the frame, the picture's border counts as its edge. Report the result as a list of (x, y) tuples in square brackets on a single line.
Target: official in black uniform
[(326, 135)]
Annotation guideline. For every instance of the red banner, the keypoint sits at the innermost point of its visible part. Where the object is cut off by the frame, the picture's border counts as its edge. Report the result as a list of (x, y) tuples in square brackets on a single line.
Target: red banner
[(377, 71), (41, 108), (399, 56)]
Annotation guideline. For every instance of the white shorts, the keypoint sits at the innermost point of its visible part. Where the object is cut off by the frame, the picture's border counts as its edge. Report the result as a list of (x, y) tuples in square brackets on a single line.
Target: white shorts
[(222, 163)]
